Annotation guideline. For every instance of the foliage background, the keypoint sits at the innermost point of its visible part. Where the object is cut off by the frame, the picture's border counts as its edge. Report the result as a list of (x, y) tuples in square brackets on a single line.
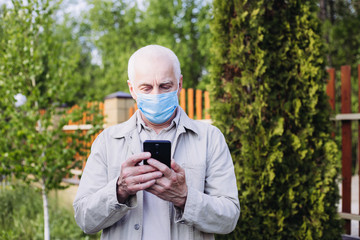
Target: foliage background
[(34, 63), (21, 216), (116, 29), (269, 100), (340, 21), (93, 49)]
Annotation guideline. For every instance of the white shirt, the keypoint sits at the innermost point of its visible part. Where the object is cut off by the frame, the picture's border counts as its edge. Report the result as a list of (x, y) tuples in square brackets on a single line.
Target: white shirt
[(156, 220)]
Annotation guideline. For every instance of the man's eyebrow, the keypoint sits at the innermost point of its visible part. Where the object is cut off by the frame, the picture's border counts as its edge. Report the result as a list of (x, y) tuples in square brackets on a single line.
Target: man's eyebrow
[(144, 84), (167, 81)]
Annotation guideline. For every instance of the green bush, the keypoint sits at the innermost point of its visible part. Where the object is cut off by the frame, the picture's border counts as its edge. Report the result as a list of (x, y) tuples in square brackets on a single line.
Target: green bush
[(21, 216), (268, 98)]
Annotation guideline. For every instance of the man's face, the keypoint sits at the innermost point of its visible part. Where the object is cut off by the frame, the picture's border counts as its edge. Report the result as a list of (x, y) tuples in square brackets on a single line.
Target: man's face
[(154, 76)]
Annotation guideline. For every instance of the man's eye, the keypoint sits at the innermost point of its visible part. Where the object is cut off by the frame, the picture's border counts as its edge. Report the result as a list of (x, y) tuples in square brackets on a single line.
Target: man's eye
[(145, 89), (165, 86)]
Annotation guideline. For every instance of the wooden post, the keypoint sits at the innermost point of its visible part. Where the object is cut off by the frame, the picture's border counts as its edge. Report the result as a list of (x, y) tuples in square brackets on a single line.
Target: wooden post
[(330, 90), (101, 108), (183, 99), (207, 105), (198, 104), (131, 111), (191, 103), (89, 117), (330, 87), (84, 118), (346, 144)]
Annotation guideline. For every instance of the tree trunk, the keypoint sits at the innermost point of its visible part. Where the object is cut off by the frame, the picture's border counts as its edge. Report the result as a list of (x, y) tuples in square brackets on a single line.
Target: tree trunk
[(323, 10), (46, 213), (332, 11), (324, 16)]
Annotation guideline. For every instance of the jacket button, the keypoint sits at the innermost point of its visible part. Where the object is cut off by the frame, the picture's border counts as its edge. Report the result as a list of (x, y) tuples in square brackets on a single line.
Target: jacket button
[(136, 226)]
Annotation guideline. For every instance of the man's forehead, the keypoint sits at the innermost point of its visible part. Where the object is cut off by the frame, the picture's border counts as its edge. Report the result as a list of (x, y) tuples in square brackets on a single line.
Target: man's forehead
[(146, 67), (152, 59)]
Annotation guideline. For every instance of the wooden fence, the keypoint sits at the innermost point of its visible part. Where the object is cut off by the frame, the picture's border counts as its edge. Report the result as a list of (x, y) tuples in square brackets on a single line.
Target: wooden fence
[(196, 103), (199, 110), (346, 118), (84, 126)]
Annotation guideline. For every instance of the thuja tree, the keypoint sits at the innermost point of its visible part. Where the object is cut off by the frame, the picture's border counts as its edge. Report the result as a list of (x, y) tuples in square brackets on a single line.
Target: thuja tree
[(33, 63), (268, 78)]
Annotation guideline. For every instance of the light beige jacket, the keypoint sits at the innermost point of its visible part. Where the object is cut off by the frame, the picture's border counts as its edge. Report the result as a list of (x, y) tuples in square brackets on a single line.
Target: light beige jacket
[(212, 204)]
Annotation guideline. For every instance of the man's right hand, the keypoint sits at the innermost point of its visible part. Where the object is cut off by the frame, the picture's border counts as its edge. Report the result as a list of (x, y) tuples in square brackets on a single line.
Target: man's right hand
[(135, 177)]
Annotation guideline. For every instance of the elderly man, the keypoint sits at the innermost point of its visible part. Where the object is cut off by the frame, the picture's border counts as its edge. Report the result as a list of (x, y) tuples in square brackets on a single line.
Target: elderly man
[(127, 199)]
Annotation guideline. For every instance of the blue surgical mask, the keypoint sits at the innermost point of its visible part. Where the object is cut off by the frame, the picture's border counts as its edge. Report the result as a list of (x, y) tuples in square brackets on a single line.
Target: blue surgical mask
[(158, 108)]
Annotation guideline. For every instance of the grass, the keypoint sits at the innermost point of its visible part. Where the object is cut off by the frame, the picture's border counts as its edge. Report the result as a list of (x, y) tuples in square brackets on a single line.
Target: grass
[(21, 215)]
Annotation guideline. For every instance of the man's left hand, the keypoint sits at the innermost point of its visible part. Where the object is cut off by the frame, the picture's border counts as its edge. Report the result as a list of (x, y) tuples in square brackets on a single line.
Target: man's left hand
[(172, 186)]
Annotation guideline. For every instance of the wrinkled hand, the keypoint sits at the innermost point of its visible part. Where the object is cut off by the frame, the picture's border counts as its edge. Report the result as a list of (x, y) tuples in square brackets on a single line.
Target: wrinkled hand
[(134, 178), (172, 186)]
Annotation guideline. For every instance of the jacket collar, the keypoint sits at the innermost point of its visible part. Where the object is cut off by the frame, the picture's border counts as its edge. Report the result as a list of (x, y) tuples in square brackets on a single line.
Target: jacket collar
[(125, 129)]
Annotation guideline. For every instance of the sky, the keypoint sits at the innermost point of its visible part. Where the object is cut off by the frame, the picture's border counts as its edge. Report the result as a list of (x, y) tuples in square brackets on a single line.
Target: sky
[(75, 7)]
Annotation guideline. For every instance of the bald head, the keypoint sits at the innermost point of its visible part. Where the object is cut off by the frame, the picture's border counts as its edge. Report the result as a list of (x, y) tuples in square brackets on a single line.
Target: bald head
[(153, 53)]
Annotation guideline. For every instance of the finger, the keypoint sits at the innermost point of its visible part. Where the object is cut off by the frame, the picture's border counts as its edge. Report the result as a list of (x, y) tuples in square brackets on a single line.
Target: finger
[(141, 186), (159, 191), (142, 169), (136, 170), (163, 183), (146, 177), (176, 167), (155, 189), (151, 190), (162, 167), (136, 158)]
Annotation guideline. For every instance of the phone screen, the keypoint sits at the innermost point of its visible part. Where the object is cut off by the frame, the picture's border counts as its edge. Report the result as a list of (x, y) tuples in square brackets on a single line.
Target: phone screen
[(160, 150)]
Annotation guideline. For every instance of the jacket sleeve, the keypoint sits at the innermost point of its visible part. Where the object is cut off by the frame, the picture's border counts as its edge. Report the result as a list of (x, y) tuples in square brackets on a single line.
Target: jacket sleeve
[(95, 205), (217, 209)]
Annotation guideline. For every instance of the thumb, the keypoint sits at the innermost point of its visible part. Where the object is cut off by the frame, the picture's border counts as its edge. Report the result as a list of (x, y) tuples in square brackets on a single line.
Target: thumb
[(176, 167)]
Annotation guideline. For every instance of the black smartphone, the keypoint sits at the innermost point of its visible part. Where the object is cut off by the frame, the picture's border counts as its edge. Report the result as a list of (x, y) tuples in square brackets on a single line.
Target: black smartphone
[(159, 149)]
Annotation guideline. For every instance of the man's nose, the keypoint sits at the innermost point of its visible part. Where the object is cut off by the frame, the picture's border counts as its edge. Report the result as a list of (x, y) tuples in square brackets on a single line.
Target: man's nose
[(155, 90)]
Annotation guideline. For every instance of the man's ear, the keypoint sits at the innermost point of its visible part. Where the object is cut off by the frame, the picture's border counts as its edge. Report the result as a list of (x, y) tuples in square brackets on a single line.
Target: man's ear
[(180, 85), (131, 89)]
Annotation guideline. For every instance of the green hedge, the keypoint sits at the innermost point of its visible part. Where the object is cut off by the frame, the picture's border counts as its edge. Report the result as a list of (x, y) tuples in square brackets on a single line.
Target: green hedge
[(268, 98)]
